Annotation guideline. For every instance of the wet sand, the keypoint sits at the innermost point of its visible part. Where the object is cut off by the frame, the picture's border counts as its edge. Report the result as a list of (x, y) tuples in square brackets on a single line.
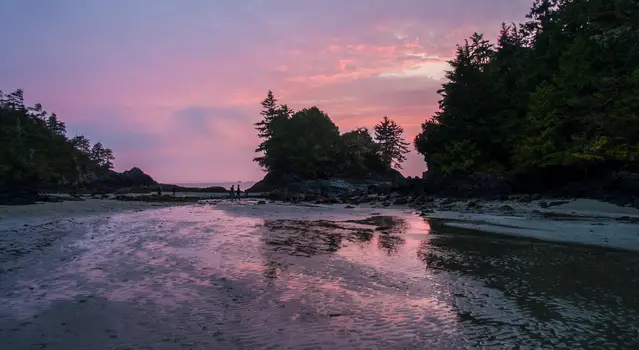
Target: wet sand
[(31, 229), (581, 221), (237, 276)]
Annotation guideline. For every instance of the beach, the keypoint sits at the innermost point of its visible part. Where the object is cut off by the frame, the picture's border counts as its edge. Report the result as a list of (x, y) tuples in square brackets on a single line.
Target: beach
[(106, 274)]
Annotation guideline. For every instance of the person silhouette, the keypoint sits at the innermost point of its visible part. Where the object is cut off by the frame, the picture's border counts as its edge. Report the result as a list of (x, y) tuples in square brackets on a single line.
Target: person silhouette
[(238, 192), (232, 192)]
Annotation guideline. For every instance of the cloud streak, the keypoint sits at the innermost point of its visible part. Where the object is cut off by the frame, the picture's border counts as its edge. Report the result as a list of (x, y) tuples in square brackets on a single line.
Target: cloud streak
[(175, 87)]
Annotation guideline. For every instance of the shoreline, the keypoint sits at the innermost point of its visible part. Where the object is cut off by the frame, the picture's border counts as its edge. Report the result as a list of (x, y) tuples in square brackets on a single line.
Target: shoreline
[(31, 228), (575, 221)]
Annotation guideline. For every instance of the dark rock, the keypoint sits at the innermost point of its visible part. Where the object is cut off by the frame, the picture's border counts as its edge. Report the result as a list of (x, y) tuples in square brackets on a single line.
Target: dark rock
[(310, 197), (277, 195), (261, 202), (474, 186), (555, 203), (426, 211), (349, 207), (447, 201), (386, 204), (506, 208), (366, 199), (526, 198), (76, 198), (401, 201), (472, 204), (329, 187), (48, 199), (213, 189), (543, 204), (536, 197), (419, 200), (130, 178)]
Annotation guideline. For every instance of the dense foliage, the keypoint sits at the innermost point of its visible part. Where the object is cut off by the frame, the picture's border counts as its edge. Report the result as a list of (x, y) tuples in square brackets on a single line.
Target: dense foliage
[(308, 145), (35, 149), (560, 91)]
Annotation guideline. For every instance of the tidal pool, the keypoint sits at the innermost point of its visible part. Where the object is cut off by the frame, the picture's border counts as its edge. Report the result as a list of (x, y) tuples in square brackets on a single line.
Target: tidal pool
[(274, 276)]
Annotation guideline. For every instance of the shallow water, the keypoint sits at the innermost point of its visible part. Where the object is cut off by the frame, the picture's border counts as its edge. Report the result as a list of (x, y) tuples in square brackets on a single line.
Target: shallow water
[(242, 277)]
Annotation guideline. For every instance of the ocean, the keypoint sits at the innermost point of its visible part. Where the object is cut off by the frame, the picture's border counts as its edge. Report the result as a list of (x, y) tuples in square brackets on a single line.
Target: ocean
[(243, 184)]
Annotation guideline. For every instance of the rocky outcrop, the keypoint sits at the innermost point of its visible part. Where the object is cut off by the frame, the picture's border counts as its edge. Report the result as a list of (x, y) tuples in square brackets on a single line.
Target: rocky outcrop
[(333, 186), (18, 196), (134, 177), (473, 186), (621, 188)]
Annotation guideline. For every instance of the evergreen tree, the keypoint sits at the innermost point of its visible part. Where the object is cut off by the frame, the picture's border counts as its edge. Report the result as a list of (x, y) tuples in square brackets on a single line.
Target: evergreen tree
[(392, 147), (556, 94), (102, 156), (307, 145), (268, 113), (271, 111), (35, 149)]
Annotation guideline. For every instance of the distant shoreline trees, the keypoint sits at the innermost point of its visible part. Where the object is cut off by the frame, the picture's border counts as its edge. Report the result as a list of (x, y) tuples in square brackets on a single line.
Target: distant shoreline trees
[(36, 151), (308, 145)]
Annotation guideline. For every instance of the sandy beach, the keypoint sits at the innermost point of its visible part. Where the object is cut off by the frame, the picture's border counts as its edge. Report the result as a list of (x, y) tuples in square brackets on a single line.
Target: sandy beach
[(578, 221)]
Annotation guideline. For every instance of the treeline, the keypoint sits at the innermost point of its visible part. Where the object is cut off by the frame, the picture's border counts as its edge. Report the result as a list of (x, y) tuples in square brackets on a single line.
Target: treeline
[(558, 93), (308, 145), (35, 149)]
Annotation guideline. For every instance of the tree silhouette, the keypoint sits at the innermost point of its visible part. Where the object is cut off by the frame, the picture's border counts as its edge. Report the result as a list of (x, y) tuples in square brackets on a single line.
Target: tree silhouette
[(307, 145), (36, 151), (555, 95), (392, 147)]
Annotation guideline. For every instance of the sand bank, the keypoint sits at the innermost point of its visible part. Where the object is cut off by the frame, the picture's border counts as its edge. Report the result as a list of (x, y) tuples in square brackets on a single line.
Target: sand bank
[(581, 221)]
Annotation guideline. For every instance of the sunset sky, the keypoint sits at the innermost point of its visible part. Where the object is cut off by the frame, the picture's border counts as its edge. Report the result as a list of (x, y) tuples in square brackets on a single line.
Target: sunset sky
[(174, 87)]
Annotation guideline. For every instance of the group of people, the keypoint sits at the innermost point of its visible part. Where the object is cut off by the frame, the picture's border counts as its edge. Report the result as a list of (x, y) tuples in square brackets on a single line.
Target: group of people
[(236, 193)]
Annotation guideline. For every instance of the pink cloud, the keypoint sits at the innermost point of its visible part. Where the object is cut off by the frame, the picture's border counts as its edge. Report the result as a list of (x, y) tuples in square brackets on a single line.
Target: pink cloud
[(176, 90)]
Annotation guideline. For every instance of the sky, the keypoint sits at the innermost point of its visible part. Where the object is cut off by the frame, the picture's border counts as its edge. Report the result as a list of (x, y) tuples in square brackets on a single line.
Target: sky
[(174, 87)]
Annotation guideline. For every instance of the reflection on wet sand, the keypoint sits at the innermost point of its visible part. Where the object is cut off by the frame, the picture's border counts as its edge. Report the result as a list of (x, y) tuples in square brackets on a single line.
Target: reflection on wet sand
[(259, 276), (551, 294)]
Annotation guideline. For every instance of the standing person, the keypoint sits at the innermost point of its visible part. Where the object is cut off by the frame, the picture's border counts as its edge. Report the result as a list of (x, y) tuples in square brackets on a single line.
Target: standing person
[(232, 192), (173, 191), (238, 192)]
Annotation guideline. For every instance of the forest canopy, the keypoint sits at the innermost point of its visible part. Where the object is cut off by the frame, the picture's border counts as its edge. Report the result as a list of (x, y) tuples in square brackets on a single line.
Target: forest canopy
[(558, 91), (36, 150), (308, 145)]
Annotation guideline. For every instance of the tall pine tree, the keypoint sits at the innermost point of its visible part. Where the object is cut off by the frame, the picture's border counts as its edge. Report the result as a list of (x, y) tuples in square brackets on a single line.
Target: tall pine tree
[(392, 146), (270, 112)]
